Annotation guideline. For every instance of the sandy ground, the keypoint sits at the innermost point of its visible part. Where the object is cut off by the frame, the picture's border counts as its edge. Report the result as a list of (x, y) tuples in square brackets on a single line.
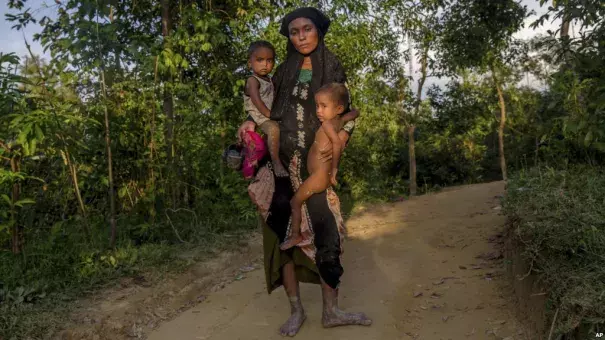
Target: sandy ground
[(427, 268)]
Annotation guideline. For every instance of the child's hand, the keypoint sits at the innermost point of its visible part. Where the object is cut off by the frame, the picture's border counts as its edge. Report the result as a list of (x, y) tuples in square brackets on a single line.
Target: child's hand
[(246, 126), (333, 177)]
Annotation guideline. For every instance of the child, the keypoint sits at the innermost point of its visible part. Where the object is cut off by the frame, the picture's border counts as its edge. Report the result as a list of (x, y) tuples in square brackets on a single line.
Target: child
[(331, 100), (258, 98)]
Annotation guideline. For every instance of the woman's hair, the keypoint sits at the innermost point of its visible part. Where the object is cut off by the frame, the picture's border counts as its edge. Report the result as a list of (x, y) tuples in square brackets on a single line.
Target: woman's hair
[(259, 44), (337, 91)]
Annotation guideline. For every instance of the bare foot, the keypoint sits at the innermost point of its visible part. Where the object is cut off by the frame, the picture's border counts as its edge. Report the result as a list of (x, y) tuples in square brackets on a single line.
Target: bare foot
[(292, 326), (279, 170), (337, 318), (292, 241)]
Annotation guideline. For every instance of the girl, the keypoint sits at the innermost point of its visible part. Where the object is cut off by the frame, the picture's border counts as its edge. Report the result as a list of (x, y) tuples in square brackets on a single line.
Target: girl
[(258, 98), (331, 100)]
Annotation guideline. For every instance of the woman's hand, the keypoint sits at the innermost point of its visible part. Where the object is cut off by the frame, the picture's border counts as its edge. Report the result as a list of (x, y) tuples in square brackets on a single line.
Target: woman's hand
[(246, 126), (326, 150), (344, 138)]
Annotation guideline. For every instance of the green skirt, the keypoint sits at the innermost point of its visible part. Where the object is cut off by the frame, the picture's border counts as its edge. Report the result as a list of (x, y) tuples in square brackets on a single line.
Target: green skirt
[(275, 259)]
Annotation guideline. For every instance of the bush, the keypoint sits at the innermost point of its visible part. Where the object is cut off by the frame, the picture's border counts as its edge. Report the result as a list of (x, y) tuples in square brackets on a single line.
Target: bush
[(559, 218)]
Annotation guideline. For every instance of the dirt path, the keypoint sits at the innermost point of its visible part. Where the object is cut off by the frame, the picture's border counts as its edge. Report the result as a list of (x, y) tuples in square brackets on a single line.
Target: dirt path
[(428, 268)]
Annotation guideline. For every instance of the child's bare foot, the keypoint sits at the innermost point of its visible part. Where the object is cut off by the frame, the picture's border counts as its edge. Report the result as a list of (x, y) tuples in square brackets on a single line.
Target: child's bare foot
[(279, 170), (292, 241)]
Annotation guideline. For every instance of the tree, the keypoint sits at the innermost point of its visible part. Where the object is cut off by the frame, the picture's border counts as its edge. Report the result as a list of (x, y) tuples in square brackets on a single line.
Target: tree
[(476, 34), (417, 23)]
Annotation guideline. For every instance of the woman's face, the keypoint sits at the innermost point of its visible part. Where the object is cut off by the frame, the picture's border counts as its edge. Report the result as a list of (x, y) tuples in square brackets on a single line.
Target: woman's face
[(303, 35)]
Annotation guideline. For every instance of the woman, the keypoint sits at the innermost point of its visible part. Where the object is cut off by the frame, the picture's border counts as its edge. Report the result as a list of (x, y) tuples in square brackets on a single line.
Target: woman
[(308, 66)]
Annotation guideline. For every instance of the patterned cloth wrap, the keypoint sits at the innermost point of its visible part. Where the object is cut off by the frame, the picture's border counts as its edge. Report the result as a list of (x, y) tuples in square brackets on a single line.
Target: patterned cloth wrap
[(255, 149)]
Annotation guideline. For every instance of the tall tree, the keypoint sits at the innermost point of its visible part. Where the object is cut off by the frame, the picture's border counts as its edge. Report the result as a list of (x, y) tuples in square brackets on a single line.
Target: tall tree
[(476, 35), (417, 23)]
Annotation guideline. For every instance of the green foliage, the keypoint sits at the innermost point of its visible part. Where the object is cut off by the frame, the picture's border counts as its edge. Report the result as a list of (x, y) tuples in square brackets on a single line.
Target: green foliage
[(558, 218), (475, 33), (174, 103)]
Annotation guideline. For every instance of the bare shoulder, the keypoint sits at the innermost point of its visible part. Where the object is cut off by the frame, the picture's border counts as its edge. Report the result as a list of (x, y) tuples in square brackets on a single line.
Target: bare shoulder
[(252, 81), (336, 123), (251, 84)]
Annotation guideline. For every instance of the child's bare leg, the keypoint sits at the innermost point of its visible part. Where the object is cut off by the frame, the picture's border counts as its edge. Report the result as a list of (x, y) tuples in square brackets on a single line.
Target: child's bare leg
[(317, 182), (271, 129), (295, 236)]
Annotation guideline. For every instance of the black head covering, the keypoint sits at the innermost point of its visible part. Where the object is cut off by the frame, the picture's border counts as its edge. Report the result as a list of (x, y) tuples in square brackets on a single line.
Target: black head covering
[(321, 21), (326, 67)]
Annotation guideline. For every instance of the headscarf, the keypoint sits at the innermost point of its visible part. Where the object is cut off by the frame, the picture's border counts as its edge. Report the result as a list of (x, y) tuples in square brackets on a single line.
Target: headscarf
[(321, 21), (326, 67)]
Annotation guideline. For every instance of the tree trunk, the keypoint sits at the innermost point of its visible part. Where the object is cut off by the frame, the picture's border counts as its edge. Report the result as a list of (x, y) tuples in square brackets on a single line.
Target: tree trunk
[(16, 230), (74, 180), (412, 127), (152, 129), (168, 104), (412, 152), (168, 108), (537, 151), (112, 200), (565, 28), (565, 41), (502, 125), (411, 58)]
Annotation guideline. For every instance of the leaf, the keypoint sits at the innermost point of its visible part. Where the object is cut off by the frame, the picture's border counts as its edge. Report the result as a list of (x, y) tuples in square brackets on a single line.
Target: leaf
[(39, 133), (32, 146), (122, 192), (588, 139), (6, 199), (22, 138), (20, 203), (56, 227)]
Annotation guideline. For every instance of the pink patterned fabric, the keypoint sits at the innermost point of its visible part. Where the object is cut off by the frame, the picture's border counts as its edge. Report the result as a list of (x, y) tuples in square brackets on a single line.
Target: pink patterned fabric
[(261, 192), (254, 150)]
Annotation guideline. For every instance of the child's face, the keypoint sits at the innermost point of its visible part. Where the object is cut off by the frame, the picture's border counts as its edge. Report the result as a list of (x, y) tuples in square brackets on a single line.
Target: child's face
[(326, 107), (262, 61)]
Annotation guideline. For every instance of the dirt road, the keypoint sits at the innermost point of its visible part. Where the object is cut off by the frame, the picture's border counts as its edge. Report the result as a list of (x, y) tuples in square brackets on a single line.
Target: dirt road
[(428, 268)]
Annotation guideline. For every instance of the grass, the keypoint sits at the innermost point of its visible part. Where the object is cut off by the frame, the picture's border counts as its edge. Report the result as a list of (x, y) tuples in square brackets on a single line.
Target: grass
[(38, 286), (559, 218)]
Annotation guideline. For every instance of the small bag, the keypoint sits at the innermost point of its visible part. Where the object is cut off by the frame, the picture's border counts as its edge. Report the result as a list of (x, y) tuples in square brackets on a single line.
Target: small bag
[(233, 156), (246, 156)]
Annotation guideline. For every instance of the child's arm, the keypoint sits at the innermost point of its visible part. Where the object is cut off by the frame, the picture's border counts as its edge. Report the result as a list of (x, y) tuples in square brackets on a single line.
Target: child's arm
[(332, 134), (252, 91)]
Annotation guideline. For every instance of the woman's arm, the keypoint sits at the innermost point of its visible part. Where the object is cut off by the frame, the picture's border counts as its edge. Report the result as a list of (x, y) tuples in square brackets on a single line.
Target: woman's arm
[(349, 116), (252, 90)]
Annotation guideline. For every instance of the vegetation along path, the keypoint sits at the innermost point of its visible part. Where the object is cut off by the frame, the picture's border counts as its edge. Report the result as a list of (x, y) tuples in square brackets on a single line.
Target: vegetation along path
[(428, 268)]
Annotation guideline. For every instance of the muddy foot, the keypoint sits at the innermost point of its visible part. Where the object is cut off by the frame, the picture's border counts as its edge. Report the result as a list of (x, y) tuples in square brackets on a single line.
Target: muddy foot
[(292, 326), (279, 170), (340, 318), (291, 242)]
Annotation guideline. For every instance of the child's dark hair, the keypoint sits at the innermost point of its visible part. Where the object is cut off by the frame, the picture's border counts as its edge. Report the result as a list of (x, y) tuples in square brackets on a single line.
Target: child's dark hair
[(258, 44), (338, 92)]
